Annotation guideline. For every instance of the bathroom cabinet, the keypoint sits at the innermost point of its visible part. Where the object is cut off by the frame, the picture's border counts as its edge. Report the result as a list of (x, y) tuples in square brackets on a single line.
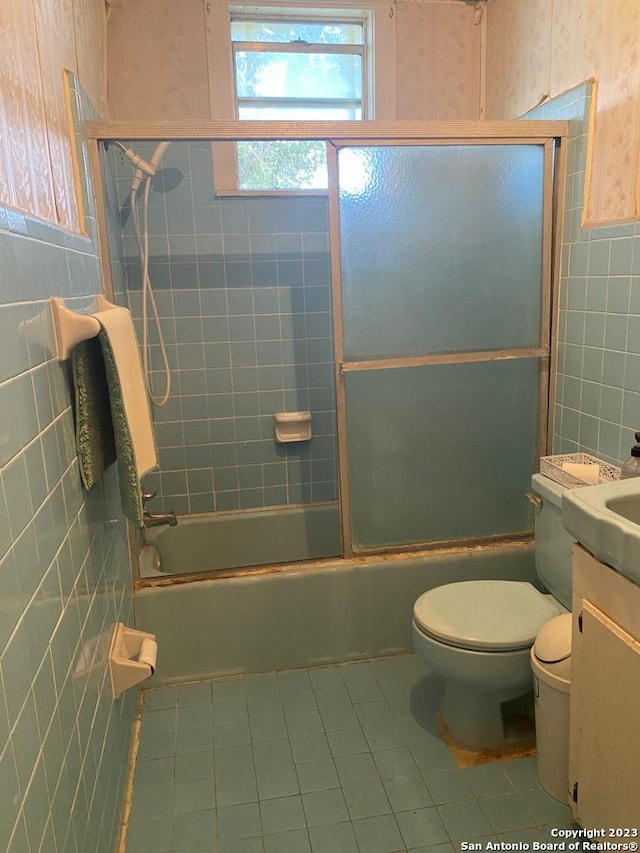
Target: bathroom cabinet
[(604, 742)]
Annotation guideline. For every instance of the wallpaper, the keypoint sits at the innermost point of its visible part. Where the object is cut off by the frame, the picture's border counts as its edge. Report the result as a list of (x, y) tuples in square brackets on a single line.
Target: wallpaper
[(41, 38), (544, 47)]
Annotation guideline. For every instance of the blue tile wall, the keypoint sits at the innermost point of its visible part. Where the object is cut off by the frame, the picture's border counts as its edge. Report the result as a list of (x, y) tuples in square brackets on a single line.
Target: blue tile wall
[(598, 377), (64, 570), (243, 291)]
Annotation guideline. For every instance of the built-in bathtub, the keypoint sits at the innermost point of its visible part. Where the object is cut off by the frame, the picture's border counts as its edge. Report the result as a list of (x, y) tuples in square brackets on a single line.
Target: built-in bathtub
[(230, 540), (282, 617)]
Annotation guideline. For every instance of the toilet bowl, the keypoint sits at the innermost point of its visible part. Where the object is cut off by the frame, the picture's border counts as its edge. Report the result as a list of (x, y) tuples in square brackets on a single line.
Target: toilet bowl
[(477, 635)]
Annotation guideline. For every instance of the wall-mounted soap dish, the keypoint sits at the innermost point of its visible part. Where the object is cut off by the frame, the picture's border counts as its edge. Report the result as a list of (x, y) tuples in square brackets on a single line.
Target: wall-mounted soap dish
[(292, 426)]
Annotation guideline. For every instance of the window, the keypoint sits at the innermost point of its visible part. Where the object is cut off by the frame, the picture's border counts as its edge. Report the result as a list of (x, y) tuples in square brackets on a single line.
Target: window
[(292, 63), (294, 69)]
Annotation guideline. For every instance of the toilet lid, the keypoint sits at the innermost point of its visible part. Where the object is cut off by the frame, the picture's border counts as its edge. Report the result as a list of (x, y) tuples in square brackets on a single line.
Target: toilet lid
[(498, 615)]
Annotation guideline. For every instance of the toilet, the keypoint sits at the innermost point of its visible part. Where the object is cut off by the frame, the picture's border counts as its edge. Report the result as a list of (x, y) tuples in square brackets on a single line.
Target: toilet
[(477, 635)]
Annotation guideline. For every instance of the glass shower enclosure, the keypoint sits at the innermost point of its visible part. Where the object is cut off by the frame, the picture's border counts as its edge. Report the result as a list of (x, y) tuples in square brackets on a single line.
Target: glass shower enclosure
[(442, 264), (442, 286)]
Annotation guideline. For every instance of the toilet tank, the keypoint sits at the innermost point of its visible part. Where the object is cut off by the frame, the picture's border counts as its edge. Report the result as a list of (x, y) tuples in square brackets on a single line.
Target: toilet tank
[(553, 543)]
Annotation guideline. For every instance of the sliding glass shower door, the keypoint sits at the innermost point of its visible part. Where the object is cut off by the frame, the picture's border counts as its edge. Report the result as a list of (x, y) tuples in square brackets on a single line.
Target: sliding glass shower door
[(441, 261)]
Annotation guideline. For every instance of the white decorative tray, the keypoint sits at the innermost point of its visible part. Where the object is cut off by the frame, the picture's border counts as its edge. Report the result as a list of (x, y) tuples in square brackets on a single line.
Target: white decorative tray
[(565, 469)]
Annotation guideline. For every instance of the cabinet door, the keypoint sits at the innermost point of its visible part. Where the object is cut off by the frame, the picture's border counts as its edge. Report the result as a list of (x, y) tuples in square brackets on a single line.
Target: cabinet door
[(605, 722)]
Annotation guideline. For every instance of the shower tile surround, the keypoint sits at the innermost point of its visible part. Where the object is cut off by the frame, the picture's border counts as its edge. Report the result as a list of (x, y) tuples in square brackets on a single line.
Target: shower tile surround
[(334, 759), (243, 292), (64, 566), (598, 374)]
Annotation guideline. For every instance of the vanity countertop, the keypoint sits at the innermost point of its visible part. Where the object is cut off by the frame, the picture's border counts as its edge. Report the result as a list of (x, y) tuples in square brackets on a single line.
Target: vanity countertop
[(606, 520)]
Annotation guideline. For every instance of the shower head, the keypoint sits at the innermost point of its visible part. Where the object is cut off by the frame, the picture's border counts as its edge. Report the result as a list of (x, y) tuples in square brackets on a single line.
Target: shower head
[(144, 168)]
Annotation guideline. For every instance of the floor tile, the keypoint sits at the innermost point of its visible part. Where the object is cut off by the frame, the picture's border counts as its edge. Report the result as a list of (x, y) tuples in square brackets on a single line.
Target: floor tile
[(158, 771), (293, 841), (230, 711), (448, 786), (322, 807), (266, 705), (194, 693), (317, 776), (507, 812), (339, 717), (159, 721), (302, 700), (333, 838), (347, 742), (226, 689), (394, 763), (293, 681), (193, 829), (282, 815), (235, 822), (310, 747), (236, 789), (332, 696), (333, 759), (406, 793), (464, 820), (378, 835), (544, 808), (152, 835), (163, 697), (242, 845), (193, 765), (383, 736), (373, 713), (232, 759), (304, 723), (421, 826), (277, 782), (268, 728), (523, 773), (272, 753), (367, 799), (488, 780), (194, 796), (353, 769)]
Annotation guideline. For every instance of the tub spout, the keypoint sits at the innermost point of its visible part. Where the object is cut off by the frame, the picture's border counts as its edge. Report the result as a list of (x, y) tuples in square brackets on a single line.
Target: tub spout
[(156, 519)]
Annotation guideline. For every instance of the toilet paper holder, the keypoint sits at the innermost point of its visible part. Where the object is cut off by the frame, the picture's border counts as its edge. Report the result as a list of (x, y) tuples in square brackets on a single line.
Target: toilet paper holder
[(132, 658)]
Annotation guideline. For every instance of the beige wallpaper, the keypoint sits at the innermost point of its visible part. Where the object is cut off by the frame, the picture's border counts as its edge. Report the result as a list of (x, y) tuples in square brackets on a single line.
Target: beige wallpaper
[(547, 46), (438, 61), (39, 39), (157, 60), (158, 63)]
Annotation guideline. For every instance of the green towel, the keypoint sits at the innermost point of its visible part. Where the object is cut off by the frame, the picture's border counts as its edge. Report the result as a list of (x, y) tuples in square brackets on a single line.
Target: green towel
[(102, 430)]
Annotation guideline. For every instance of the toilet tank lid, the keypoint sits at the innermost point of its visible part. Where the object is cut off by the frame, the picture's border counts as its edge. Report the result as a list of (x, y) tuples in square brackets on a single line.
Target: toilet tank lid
[(553, 643), (488, 615), (548, 489)]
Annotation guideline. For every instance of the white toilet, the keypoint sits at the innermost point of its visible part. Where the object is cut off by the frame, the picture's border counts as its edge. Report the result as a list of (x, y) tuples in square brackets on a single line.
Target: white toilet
[(478, 635)]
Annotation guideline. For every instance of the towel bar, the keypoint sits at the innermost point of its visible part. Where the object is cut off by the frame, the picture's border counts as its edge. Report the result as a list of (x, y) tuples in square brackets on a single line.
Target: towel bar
[(70, 327)]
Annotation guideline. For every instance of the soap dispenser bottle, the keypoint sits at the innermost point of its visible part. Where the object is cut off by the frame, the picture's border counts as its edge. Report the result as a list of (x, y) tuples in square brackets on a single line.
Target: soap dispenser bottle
[(631, 467)]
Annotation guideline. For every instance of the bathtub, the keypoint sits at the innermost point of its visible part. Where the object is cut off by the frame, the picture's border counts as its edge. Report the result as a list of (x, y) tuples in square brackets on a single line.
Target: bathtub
[(305, 615), (230, 540)]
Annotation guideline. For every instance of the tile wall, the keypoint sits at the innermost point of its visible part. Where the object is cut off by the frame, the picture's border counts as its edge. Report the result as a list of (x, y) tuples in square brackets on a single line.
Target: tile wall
[(64, 572), (598, 378), (243, 292)]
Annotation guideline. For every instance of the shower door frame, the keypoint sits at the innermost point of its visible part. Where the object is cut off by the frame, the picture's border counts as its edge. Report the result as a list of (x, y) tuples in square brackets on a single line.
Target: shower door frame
[(549, 134)]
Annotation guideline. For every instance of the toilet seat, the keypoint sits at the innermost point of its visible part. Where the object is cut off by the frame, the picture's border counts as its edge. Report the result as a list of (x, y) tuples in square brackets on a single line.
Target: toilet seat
[(484, 615)]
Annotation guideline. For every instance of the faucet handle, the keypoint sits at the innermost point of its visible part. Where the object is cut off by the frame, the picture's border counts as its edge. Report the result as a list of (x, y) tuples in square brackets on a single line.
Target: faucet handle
[(147, 496)]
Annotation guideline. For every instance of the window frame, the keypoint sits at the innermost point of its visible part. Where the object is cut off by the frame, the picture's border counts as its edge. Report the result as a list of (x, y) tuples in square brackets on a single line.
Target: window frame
[(378, 102)]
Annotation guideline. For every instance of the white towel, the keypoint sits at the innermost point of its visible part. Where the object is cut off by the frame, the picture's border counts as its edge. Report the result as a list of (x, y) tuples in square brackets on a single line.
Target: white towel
[(118, 326)]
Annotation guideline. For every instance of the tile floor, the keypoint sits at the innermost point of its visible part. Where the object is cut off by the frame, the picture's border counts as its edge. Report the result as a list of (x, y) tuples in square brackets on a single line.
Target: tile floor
[(335, 759)]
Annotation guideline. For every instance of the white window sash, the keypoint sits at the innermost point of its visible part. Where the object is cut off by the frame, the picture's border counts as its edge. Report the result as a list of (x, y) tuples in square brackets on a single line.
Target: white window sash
[(381, 70)]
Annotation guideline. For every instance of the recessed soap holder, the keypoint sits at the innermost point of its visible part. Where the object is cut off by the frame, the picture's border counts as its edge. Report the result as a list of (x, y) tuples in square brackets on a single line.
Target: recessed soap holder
[(132, 657), (292, 426)]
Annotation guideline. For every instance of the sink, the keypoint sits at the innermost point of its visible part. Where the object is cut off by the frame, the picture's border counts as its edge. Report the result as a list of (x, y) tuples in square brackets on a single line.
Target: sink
[(606, 520)]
